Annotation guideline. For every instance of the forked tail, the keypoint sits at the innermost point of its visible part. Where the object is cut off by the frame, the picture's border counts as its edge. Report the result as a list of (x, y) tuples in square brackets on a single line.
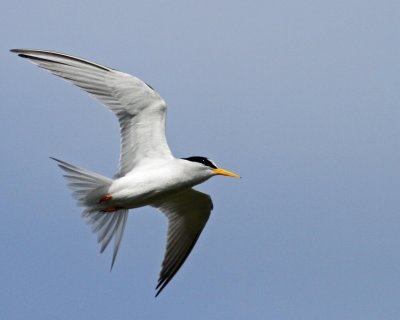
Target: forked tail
[(88, 188)]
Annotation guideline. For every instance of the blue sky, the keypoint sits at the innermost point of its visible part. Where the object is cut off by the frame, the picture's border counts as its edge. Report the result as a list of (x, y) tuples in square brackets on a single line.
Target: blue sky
[(299, 97)]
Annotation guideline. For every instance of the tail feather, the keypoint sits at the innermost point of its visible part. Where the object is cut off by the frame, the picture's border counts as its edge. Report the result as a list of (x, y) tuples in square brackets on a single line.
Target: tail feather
[(87, 188)]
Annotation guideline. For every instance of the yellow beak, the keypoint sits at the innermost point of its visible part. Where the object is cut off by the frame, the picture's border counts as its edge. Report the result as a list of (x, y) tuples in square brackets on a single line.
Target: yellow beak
[(225, 173)]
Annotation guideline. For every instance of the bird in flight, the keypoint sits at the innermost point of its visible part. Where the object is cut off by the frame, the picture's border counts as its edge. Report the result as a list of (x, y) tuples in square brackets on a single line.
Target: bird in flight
[(148, 172)]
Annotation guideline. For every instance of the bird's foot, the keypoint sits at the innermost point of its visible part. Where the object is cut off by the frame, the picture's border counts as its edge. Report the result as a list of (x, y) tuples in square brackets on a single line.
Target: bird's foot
[(105, 198)]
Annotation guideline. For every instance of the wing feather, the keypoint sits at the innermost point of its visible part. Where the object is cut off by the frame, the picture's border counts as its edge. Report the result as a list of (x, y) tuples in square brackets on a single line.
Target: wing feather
[(140, 110), (187, 214)]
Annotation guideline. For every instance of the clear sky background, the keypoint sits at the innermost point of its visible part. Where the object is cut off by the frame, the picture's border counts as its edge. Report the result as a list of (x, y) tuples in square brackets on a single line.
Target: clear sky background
[(301, 98)]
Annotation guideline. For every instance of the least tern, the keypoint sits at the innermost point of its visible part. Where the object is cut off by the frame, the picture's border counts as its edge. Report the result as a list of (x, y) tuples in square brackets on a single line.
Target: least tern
[(148, 172)]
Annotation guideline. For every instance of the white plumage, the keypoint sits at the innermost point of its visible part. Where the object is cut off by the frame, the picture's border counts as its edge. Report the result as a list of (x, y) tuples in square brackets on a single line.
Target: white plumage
[(148, 173)]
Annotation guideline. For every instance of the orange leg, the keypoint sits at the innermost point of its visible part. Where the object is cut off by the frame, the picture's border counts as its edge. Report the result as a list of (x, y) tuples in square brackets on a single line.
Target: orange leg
[(105, 198)]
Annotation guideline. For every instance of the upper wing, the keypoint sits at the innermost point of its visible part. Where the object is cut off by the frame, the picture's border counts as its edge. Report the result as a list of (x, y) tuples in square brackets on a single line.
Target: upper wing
[(187, 214), (140, 110)]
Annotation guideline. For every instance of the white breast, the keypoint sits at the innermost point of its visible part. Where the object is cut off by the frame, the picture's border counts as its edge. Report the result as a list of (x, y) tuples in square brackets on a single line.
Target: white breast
[(151, 182)]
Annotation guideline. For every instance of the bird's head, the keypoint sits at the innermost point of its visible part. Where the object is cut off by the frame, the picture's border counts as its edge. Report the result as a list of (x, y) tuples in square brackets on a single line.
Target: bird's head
[(208, 167)]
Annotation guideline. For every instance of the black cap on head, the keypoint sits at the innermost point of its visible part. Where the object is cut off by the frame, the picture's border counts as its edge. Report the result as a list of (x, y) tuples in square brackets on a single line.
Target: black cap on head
[(202, 160)]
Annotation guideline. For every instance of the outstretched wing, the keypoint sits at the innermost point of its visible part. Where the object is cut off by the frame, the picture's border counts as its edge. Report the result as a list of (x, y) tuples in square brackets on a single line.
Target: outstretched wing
[(187, 214), (140, 110)]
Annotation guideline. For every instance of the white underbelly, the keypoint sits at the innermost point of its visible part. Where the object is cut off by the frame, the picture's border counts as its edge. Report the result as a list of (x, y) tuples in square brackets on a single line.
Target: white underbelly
[(138, 191)]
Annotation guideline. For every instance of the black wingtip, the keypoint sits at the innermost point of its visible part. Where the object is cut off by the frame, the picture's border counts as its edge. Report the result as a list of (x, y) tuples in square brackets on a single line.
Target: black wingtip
[(112, 263), (20, 52), (158, 292), (57, 160), (160, 287), (31, 54), (31, 57)]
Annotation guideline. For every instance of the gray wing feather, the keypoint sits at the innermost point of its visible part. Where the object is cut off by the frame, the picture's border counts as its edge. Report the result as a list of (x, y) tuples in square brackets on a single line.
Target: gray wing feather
[(187, 214)]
